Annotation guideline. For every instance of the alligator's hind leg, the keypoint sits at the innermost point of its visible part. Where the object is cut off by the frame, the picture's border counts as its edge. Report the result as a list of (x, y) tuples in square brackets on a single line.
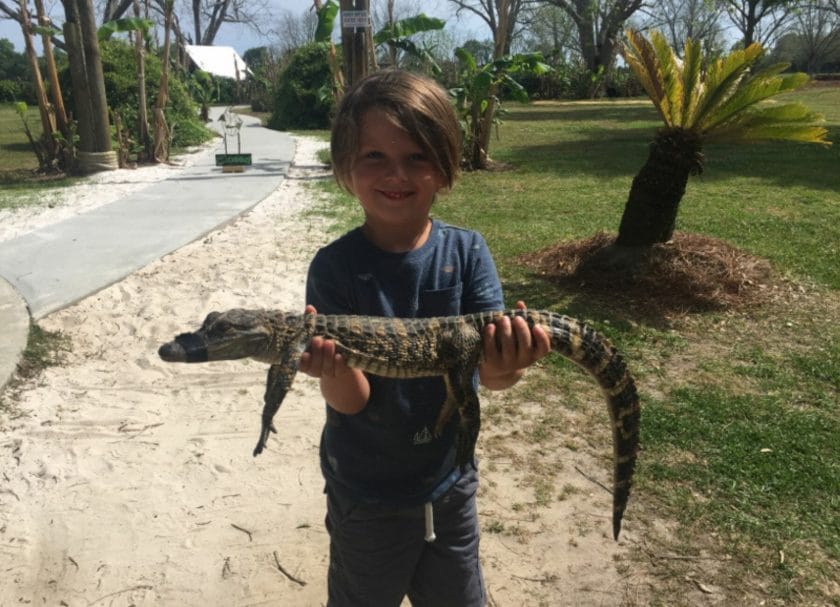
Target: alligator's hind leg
[(280, 378)]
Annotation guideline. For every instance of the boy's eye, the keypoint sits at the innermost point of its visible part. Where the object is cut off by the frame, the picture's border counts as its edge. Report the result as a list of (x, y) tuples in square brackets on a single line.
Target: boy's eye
[(419, 157), (373, 154)]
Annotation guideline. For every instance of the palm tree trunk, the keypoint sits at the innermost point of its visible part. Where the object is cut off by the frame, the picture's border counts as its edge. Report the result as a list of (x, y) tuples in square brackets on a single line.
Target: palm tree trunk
[(96, 78), (94, 151), (657, 190)]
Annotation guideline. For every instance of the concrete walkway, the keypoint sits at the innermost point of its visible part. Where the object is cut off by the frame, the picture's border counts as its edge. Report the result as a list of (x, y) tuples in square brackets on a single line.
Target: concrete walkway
[(55, 266)]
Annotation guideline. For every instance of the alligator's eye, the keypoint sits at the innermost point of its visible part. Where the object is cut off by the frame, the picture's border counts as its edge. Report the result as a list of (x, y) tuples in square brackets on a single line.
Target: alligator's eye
[(210, 320)]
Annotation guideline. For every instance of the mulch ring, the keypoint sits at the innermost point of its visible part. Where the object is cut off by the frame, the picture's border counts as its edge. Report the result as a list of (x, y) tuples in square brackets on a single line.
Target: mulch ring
[(690, 273)]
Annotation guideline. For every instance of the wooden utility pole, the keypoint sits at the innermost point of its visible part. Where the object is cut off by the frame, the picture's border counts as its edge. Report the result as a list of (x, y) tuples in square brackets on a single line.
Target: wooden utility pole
[(355, 25)]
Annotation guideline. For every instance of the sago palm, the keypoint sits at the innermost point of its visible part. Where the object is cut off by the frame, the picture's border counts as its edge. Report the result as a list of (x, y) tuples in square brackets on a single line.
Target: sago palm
[(719, 103)]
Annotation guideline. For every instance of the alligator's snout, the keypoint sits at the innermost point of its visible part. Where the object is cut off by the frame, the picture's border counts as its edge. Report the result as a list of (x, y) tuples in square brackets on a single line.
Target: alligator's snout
[(172, 353), (187, 348)]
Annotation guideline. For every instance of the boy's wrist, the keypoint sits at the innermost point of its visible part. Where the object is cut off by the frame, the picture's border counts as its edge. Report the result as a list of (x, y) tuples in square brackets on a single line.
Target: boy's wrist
[(499, 380)]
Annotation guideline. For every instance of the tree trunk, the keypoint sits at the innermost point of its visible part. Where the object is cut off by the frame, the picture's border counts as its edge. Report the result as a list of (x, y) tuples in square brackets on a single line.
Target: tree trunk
[(96, 78), (482, 131), (161, 148), (52, 72), (142, 109), (47, 119), (79, 77), (95, 152), (651, 210)]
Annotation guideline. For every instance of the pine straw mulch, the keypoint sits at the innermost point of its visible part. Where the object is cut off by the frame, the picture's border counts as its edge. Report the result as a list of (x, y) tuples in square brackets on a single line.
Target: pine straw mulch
[(690, 273)]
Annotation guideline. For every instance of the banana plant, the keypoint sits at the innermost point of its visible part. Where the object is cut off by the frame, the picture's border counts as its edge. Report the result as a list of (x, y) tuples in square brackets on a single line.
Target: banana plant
[(720, 102), (204, 89), (477, 98), (327, 13), (397, 36), (129, 24)]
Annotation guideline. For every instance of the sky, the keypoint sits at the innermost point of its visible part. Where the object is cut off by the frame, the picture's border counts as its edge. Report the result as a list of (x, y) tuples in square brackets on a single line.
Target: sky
[(242, 38)]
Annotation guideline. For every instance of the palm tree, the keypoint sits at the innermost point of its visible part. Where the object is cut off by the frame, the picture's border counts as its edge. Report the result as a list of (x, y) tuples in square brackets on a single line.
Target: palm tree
[(720, 104)]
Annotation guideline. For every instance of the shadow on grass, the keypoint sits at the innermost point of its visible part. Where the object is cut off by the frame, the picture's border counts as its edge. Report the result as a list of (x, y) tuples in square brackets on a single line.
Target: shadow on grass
[(582, 140)]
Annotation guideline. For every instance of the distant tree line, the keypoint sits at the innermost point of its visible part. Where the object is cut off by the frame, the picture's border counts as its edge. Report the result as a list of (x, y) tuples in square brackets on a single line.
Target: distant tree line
[(573, 47)]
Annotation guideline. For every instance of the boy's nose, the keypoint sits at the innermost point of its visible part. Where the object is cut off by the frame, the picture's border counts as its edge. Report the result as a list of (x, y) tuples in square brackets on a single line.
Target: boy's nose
[(396, 170)]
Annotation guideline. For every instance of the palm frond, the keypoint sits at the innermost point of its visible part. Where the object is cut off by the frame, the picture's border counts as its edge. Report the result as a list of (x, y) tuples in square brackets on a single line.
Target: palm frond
[(670, 68), (691, 84), (722, 79), (761, 133), (641, 58), (785, 122), (752, 90)]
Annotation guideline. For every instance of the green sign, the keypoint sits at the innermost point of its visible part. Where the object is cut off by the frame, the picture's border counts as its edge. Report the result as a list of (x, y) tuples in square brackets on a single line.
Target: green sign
[(233, 160)]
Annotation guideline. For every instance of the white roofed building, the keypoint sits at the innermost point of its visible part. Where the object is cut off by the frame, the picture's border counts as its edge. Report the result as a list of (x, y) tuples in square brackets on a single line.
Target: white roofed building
[(221, 61)]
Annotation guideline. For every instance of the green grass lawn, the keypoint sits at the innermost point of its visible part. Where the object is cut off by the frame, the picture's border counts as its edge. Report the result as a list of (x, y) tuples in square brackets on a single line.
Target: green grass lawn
[(740, 422), (18, 162)]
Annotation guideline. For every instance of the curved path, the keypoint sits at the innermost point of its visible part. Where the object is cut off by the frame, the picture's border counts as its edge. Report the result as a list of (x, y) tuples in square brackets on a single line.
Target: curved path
[(55, 266)]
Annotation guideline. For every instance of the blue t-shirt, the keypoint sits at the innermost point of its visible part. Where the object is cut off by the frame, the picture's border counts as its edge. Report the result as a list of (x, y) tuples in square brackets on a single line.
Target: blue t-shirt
[(387, 453)]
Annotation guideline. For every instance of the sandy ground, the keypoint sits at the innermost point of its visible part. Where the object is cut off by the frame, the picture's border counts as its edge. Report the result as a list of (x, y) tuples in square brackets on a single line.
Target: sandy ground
[(130, 481)]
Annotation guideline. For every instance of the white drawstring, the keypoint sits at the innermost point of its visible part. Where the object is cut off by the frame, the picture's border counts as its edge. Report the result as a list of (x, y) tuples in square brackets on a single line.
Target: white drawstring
[(430, 523)]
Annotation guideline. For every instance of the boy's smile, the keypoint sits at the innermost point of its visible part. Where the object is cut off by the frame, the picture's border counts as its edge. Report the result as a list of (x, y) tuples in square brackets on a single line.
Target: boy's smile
[(395, 182)]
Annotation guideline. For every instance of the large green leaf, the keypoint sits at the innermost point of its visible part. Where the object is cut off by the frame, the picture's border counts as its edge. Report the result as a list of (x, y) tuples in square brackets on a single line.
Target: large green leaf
[(416, 51), (129, 24), (466, 58), (326, 21), (408, 27)]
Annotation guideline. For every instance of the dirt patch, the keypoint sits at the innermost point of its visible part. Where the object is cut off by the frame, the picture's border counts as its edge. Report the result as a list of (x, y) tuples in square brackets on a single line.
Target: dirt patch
[(690, 273)]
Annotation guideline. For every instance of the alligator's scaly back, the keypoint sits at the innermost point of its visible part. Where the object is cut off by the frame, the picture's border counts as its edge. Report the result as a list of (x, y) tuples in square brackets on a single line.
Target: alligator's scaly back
[(450, 347)]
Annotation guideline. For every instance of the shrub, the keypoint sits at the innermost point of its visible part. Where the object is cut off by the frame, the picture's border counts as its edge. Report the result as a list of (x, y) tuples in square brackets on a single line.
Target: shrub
[(119, 67), (298, 101), (14, 90)]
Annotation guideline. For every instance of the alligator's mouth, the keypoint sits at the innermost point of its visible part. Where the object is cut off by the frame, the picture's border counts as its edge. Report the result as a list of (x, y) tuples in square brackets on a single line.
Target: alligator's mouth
[(187, 348)]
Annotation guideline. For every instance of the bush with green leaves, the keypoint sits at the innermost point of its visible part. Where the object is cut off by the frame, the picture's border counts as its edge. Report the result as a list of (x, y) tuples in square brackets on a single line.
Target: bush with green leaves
[(15, 81), (299, 100), (120, 70)]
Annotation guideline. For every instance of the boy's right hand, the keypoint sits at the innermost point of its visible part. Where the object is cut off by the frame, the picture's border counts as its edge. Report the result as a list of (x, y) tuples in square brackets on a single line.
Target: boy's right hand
[(345, 389)]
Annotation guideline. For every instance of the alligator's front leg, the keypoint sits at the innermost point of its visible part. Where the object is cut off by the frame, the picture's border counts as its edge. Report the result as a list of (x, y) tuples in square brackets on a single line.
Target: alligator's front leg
[(280, 378)]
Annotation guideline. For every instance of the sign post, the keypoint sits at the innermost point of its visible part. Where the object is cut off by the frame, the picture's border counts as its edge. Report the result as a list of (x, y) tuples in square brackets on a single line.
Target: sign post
[(230, 162), (355, 23)]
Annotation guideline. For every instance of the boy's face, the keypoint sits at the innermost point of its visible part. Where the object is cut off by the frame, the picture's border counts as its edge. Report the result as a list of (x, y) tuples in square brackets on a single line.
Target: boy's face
[(393, 179)]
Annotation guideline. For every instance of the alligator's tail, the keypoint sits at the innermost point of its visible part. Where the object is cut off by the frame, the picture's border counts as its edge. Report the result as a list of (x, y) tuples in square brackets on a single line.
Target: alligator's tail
[(582, 345)]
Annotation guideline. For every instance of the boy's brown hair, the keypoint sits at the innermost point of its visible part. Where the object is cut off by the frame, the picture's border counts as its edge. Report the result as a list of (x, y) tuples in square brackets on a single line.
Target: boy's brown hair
[(414, 103)]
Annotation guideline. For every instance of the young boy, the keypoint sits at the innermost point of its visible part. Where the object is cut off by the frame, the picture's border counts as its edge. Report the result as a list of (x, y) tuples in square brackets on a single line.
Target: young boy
[(395, 145)]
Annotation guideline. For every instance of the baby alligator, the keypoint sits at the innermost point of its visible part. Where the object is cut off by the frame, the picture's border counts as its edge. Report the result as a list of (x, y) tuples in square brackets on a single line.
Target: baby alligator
[(450, 347)]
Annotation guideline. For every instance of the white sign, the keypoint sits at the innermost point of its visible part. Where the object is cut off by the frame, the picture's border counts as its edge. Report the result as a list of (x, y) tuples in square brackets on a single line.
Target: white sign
[(354, 19)]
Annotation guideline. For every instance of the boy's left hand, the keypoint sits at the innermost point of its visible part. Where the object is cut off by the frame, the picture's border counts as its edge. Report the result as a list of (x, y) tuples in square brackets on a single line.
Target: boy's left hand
[(509, 347)]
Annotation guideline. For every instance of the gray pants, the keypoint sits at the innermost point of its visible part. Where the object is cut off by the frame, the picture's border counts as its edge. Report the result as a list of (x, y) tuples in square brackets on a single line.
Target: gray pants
[(378, 554)]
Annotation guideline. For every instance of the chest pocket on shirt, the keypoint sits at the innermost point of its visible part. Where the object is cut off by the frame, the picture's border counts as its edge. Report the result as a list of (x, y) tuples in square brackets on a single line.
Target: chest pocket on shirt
[(440, 302)]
